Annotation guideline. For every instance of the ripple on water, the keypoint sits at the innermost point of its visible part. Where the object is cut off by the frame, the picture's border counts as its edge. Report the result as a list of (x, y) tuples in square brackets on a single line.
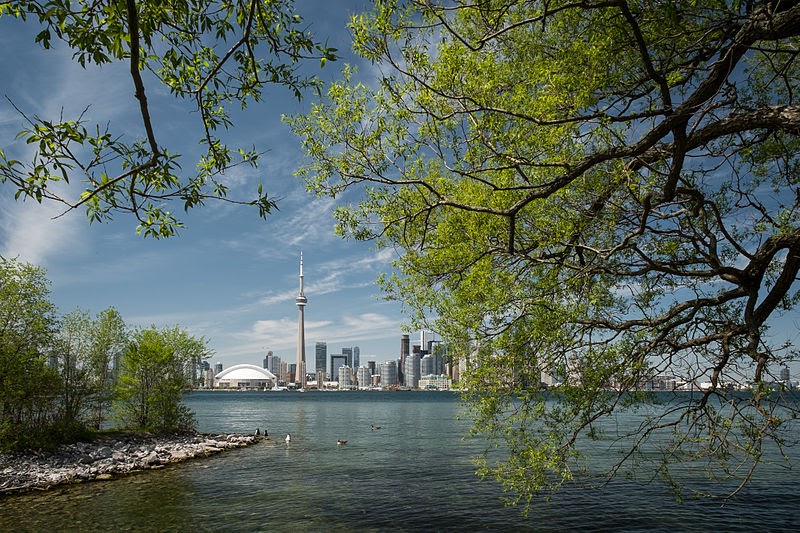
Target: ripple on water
[(413, 474)]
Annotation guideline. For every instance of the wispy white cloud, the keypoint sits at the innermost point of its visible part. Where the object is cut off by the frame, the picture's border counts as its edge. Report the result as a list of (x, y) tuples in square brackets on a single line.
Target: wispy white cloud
[(337, 275), (281, 333), (29, 231)]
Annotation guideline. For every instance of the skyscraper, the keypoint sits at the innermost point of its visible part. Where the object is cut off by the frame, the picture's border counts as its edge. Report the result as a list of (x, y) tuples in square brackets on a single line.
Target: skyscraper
[(363, 377), (412, 371), (404, 352), (301, 301), (273, 363), (356, 357), (348, 352), (389, 374), (321, 357), (337, 360)]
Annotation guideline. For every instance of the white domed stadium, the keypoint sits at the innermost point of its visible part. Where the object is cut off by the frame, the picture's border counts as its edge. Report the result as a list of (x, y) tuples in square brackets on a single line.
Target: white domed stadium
[(245, 377)]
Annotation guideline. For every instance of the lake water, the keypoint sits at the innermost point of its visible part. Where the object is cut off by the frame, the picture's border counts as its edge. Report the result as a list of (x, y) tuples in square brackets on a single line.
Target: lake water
[(414, 473)]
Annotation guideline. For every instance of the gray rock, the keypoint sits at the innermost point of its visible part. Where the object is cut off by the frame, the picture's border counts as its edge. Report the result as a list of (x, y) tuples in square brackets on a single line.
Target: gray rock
[(105, 459)]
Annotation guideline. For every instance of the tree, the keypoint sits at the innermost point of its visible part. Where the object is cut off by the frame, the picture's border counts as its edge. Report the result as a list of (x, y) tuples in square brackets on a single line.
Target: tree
[(71, 358), (603, 191), (209, 54), (154, 376), (109, 338), (28, 407), (86, 356)]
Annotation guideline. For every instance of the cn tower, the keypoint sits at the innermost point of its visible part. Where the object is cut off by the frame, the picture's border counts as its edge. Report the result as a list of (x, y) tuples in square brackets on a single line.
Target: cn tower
[(301, 300)]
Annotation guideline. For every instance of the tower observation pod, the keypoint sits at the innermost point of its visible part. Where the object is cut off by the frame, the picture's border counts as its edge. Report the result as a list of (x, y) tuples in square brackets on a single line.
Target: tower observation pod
[(301, 301)]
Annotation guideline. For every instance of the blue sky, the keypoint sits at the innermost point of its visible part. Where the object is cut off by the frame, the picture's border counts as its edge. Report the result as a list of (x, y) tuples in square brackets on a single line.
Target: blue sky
[(229, 276)]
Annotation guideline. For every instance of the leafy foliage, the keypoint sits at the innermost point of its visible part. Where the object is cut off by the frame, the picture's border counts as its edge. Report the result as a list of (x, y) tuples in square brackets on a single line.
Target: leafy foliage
[(28, 410), (109, 339), (157, 367), (214, 55), (60, 377), (602, 192)]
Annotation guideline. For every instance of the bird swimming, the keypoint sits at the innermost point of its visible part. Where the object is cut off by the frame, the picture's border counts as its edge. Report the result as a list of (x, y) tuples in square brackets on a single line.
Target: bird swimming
[(373, 428), (288, 438), (341, 442)]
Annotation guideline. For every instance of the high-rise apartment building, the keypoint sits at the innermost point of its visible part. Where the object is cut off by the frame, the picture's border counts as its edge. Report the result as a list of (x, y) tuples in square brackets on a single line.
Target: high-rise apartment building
[(363, 377), (389, 374), (345, 375), (412, 371)]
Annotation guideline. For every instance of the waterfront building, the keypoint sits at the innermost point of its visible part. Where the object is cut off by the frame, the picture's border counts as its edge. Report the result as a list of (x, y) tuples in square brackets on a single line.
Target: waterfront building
[(267, 360), (217, 368), (389, 374), (785, 376), (372, 367), (246, 377), (301, 301), (356, 357), (548, 379), (412, 371), (321, 357), (434, 382), (345, 378), (364, 377)]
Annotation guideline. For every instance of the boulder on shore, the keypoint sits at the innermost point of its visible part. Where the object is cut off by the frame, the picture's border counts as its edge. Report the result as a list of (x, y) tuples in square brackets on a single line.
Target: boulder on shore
[(108, 457)]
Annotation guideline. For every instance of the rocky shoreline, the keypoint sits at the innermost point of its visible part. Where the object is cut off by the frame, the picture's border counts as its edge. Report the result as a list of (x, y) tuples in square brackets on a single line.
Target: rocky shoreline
[(109, 457)]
